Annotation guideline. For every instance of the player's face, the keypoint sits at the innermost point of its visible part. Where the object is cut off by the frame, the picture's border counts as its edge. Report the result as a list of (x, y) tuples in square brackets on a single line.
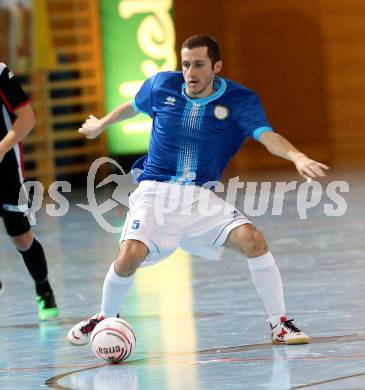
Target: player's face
[(198, 72)]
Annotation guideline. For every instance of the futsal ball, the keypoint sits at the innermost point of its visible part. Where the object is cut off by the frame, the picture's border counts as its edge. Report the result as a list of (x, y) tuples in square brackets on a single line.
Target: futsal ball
[(113, 340)]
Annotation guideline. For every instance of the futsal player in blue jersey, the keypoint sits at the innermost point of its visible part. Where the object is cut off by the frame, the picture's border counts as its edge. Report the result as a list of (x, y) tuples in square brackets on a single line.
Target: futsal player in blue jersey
[(199, 122)]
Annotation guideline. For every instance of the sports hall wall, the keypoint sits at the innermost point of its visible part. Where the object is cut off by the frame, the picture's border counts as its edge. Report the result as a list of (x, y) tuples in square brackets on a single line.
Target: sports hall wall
[(306, 59)]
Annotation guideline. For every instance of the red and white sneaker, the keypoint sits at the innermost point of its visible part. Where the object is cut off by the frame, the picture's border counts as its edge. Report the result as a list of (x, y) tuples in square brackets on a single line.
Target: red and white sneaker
[(285, 332), (80, 333)]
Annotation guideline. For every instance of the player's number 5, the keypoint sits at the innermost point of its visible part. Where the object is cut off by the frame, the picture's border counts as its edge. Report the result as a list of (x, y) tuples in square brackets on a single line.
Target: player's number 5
[(136, 224)]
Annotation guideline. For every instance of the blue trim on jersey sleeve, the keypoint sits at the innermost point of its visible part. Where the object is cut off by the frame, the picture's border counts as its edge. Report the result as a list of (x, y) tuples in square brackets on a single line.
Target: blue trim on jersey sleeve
[(217, 94), (137, 109), (256, 134)]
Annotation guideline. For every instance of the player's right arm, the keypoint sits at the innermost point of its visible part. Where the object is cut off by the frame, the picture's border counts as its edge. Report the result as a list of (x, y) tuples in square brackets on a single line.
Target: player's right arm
[(24, 123), (141, 103), (16, 102), (93, 126)]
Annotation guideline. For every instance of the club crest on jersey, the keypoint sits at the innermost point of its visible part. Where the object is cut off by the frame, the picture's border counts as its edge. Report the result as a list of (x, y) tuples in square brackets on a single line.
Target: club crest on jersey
[(221, 112), (170, 100)]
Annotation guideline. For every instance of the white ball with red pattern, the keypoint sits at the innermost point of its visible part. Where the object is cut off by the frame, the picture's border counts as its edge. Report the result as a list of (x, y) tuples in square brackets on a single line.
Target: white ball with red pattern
[(113, 340)]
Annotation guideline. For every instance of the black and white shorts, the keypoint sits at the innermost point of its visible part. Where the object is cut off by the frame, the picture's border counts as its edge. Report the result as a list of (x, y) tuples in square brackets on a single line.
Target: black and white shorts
[(13, 211)]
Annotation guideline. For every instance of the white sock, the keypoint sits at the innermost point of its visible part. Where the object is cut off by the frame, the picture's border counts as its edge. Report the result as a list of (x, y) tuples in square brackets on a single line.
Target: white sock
[(267, 280), (115, 289)]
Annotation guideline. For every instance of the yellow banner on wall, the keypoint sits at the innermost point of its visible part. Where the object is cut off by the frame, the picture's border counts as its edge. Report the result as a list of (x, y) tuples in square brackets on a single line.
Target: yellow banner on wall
[(43, 55)]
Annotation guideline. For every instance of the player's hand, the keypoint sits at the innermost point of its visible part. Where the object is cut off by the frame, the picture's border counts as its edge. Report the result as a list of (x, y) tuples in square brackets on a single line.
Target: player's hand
[(309, 168), (92, 127)]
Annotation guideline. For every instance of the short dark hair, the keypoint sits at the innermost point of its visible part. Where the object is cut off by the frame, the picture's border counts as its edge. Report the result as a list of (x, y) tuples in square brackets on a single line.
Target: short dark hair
[(204, 41)]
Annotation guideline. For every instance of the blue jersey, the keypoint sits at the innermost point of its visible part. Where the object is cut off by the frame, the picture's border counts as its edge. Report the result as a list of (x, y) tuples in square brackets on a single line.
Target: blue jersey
[(192, 140)]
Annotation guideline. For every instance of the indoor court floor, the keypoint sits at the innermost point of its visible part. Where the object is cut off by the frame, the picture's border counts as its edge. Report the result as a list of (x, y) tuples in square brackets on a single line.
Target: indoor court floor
[(199, 323)]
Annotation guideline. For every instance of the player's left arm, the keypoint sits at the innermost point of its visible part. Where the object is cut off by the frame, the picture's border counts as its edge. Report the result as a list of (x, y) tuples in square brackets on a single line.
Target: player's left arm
[(279, 146), (23, 124)]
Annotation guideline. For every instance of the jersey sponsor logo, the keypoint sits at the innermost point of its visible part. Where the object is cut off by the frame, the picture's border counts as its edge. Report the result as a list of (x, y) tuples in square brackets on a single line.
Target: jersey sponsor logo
[(170, 101), (221, 112)]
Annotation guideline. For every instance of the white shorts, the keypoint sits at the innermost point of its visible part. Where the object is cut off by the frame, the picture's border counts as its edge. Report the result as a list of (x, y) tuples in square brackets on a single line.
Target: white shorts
[(165, 216)]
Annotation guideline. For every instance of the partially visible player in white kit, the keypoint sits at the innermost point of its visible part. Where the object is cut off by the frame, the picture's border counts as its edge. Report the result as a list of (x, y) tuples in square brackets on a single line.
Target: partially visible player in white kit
[(199, 121)]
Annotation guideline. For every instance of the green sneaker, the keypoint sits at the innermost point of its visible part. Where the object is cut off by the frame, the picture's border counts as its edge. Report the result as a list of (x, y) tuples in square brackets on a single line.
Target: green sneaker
[(47, 308)]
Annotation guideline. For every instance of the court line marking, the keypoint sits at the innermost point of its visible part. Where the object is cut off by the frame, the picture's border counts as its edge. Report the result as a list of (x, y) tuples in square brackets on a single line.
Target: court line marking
[(53, 381), (83, 367), (340, 378), (73, 320), (240, 348)]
